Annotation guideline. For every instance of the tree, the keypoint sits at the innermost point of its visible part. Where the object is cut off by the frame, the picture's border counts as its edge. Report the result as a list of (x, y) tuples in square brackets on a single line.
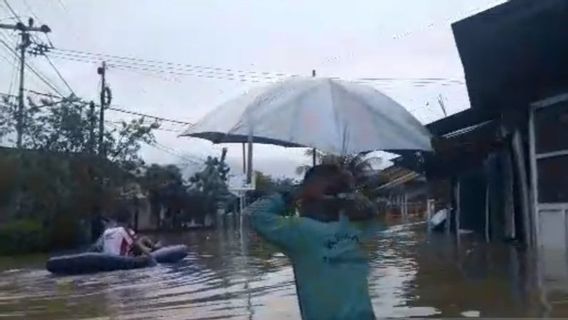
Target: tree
[(210, 184), (67, 126), (182, 202), (362, 166), (266, 185), (301, 170), (166, 189), (55, 191), (263, 182), (56, 180), (7, 112), (157, 176)]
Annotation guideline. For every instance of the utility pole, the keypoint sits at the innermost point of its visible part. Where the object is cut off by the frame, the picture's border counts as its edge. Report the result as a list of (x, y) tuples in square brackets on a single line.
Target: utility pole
[(102, 72), (92, 125), (105, 101), (25, 42)]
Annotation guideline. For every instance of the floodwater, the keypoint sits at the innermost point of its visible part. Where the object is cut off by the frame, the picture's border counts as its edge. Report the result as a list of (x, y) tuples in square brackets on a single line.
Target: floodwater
[(413, 274)]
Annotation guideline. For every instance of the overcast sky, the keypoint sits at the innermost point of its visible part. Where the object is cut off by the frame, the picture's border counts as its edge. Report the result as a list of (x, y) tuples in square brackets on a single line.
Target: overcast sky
[(400, 39)]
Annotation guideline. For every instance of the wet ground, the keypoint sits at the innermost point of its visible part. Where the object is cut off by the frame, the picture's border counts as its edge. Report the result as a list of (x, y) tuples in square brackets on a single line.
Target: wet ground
[(413, 274)]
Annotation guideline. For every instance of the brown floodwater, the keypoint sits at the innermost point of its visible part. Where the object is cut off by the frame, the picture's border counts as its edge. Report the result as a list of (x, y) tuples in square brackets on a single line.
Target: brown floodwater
[(413, 274)]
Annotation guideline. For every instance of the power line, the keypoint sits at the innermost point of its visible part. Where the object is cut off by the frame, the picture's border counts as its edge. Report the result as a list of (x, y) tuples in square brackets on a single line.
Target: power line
[(158, 129), (29, 8), (183, 70), (165, 149), (171, 64), (49, 95), (209, 74), (62, 5), (25, 32), (169, 150), (153, 75), (174, 154), (231, 74), (234, 75), (12, 10), (14, 76), (8, 18), (122, 110), (59, 74), (6, 37), (173, 127), (425, 80), (117, 109), (32, 69), (48, 60), (170, 130), (173, 151), (46, 104)]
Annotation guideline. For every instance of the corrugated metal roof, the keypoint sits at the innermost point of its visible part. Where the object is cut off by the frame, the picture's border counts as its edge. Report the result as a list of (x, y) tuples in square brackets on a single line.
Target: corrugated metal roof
[(396, 176)]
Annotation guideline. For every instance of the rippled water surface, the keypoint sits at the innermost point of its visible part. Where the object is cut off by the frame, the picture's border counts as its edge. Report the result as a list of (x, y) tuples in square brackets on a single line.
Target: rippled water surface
[(226, 276)]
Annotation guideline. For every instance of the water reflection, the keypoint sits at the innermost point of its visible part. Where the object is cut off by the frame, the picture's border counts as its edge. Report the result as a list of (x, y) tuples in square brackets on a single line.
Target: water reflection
[(226, 276)]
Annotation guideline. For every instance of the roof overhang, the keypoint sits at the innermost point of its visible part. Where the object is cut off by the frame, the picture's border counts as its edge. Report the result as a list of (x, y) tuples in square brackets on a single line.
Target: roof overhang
[(515, 53)]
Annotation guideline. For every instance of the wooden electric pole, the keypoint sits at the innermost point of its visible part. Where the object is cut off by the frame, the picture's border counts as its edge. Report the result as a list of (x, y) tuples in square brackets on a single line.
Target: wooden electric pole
[(102, 72), (24, 44), (92, 125), (105, 100)]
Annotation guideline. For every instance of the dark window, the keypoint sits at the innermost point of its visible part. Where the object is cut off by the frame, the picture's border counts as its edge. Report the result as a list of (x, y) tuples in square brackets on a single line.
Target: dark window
[(553, 179), (551, 128)]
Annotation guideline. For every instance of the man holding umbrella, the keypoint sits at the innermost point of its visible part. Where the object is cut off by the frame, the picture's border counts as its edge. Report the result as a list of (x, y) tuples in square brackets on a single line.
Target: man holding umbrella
[(324, 243), (336, 117)]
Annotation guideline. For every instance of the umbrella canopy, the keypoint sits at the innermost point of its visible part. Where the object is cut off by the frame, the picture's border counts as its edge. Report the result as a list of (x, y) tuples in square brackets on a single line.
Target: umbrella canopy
[(334, 116)]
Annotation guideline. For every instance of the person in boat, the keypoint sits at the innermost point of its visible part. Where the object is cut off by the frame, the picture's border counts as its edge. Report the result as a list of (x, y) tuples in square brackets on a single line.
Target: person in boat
[(119, 239), (324, 243)]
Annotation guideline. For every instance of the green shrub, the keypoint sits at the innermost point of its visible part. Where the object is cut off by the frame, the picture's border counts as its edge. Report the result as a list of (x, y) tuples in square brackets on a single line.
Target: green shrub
[(22, 236), (65, 231)]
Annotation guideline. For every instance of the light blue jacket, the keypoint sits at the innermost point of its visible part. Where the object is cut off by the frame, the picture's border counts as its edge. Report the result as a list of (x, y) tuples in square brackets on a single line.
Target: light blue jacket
[(329, 263)]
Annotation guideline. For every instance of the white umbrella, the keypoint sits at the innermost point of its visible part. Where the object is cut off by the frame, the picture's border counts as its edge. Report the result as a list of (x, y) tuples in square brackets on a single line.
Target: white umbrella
[(334, 116)]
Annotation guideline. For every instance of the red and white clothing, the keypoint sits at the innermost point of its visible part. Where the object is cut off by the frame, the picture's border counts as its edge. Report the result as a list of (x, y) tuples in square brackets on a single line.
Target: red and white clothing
[(118, 241)]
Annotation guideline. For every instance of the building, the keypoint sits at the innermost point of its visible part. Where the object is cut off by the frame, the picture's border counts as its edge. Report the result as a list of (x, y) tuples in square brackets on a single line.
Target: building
[(507, 156), (401, 191), (134, 201), (509, 151)]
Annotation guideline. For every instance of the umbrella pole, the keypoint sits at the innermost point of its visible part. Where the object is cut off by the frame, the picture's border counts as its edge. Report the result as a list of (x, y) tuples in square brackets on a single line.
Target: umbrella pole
[(314, 152), (244, 159), (249, 164)]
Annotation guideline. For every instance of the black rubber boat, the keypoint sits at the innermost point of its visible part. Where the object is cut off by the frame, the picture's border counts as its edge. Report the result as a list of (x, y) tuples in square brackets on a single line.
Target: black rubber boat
[(92, 262)]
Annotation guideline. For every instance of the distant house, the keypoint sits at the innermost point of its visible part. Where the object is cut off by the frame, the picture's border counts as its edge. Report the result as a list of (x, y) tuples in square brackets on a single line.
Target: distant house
[(134, 200), (401, 191)]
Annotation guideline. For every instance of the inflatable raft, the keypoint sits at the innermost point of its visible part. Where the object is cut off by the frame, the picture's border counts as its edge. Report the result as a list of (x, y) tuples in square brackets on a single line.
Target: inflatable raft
[(91, 262)]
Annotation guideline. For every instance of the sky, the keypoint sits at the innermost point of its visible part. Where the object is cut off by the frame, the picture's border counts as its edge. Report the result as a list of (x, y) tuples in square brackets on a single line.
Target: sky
[(400, 39)]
